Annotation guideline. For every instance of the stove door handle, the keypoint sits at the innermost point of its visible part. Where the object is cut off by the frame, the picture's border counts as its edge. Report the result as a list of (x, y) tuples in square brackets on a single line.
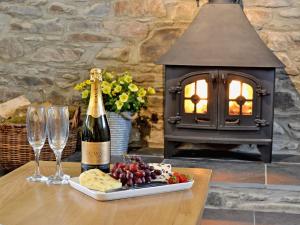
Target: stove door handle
[(233, 122), (202, 120), (214, 79), (224, 78)]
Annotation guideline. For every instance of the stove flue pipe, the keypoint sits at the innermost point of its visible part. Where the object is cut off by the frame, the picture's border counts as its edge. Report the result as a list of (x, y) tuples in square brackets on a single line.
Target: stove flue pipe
[(223, 2), (226, 2)]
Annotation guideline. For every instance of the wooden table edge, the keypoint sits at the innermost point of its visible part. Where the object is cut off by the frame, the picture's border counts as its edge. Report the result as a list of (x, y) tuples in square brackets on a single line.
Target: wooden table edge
[(206, 172)]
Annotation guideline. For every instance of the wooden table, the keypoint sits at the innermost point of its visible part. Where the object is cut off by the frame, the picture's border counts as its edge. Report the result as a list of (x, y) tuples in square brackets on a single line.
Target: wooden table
[(23, 203)]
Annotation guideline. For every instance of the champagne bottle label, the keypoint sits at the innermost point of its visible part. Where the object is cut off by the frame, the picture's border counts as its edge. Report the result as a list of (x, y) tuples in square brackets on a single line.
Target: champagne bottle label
[(95, 153)]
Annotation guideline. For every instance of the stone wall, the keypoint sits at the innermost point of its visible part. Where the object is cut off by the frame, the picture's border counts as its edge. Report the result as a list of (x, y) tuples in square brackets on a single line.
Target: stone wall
[(47, 46), (278, 24)]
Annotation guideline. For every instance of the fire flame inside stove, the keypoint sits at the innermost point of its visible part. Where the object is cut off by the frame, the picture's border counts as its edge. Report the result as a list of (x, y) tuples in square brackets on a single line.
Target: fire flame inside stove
[(199, 88), (240, 98), (240, 91)]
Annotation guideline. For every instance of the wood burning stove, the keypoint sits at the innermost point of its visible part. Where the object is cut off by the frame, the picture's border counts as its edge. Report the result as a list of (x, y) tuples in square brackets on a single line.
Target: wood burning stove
[(219, 83)]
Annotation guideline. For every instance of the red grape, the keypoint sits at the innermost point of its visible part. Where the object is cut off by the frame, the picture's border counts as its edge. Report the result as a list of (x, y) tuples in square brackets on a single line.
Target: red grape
[(139, 181), (123, 174), (129, 182), (135, 172), (121, 165), (142, 166), (138, 174), (119, 171), (147, 172), (123, 180), (143, 180), (153, 176), (133, 167), (115, 175), (147, 179), (129, 175)]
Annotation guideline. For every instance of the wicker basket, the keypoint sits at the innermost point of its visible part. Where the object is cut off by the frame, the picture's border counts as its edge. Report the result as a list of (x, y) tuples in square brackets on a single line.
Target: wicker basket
[(15, 150)]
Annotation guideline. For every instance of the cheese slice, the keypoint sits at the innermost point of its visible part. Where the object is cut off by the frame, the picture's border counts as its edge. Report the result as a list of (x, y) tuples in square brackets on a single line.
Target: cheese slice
[(97, 180)]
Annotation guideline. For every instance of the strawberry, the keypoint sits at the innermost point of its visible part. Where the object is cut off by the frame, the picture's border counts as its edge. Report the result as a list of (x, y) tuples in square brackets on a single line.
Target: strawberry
[(176, 174), (173, 180), (182, 178)]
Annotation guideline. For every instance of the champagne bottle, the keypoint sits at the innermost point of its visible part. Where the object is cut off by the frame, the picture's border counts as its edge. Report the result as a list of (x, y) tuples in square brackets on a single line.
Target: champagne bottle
[(95, 142)]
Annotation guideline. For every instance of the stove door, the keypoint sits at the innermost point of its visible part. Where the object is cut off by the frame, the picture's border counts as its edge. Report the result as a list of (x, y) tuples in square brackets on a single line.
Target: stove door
[(198, 101), (240, 105)]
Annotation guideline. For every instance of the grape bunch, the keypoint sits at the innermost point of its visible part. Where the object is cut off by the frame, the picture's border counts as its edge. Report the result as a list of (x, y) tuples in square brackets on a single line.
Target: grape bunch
[(135, 172)]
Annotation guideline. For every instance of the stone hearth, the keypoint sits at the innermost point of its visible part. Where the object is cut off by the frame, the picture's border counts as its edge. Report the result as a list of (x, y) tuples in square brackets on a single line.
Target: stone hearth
[(263, 188)]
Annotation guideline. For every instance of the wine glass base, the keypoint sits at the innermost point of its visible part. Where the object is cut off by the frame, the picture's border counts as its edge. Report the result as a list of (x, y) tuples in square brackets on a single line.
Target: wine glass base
[(37, 178), (58, 180), (66, 177)]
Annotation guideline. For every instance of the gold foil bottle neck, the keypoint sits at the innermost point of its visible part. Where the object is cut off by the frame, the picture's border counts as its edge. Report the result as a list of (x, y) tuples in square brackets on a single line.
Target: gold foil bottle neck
[(96, 74), (96, 107)]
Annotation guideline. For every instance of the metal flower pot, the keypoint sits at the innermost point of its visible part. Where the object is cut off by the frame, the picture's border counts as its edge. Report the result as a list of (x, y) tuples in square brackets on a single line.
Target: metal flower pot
[(120, 128)]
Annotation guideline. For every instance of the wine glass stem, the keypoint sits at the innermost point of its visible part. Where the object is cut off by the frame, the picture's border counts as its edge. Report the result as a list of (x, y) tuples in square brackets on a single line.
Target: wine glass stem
[(58, 160), (37, 162)]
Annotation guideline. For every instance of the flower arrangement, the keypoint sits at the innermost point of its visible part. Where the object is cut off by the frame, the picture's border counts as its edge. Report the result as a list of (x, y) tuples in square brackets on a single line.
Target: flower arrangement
[(120, 93)]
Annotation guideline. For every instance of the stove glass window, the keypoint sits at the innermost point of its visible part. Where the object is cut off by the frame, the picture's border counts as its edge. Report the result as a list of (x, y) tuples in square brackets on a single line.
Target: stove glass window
[(240, 98), (189, 106), (201, 107), (195, 97)]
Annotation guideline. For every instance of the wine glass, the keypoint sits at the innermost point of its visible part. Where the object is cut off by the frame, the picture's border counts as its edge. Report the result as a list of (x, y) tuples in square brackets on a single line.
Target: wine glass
[(58, 132), (36, 134)]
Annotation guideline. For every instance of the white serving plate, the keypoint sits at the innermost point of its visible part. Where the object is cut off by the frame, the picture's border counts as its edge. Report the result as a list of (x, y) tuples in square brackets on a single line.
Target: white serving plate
[(129, 193)]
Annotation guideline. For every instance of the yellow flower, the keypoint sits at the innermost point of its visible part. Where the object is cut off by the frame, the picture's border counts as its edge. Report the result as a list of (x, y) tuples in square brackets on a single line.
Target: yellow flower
[(123, 97), (151, 91), (108, 76), (88, 82), (77, 87), (117, 89), (105, 83), (133, 87), (121, 80), (119, 105), (142, 92), (140, 99), (80, 86), (127, 78), (106, 87), (106, 90), (85, 94)]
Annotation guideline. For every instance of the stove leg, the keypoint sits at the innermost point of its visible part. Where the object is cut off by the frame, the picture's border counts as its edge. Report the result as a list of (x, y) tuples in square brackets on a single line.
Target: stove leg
[(266, 152), (169, 149)]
